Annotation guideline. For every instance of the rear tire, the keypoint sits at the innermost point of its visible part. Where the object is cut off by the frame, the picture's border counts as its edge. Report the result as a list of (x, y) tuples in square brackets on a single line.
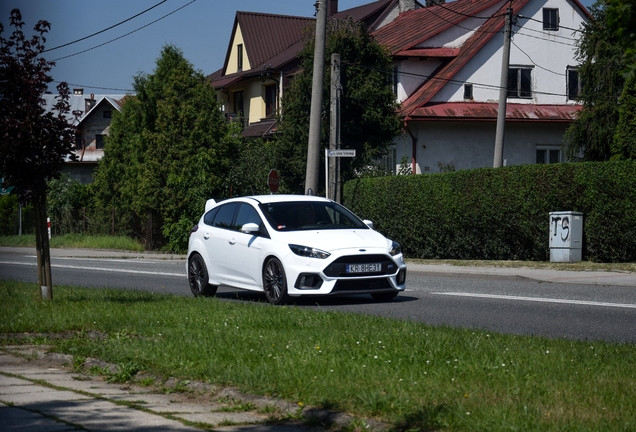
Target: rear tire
[(385, 296), (275, 282), (198, 277)]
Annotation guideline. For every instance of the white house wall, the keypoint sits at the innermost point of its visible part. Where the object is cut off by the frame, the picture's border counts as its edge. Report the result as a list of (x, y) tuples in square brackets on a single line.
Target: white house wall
[(469, 145), (411, 73), (548, 53)]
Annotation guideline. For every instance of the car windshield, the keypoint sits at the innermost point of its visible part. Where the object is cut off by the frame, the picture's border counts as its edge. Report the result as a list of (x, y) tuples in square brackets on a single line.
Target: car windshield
[(305, 215)]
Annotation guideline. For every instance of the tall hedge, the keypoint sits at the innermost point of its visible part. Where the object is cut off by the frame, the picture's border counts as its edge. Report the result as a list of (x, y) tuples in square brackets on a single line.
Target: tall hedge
[(503, 213)]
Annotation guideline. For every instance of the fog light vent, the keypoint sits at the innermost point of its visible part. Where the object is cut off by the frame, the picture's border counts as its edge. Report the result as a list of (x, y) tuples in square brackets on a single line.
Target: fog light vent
[(401, 277), (308, 281)]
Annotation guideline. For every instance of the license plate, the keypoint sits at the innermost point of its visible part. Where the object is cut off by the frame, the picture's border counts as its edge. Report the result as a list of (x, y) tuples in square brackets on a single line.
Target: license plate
[(364, 268)]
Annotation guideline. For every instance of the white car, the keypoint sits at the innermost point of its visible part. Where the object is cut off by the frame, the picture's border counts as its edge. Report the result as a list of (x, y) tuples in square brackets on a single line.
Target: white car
[(291, 245)]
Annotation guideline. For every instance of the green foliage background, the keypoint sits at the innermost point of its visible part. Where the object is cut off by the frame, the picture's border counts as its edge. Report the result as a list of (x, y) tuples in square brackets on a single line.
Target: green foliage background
[(168, 151), (369, 119), (502, 214)]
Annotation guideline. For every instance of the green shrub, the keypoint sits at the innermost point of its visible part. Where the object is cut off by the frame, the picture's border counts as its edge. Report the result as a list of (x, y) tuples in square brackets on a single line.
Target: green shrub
[(503, 213)]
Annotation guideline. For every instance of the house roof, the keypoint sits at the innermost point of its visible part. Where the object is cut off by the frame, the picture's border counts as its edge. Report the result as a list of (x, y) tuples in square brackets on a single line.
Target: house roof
[(488, 111), (78, 103), (414, 27), (266, 35), (272, 42), (114, 103), (473, 44), (259, 129)]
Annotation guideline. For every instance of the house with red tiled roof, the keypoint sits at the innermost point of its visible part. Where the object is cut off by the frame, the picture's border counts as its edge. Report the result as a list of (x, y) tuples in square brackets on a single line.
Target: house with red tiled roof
[(262, 57), (448, 61)]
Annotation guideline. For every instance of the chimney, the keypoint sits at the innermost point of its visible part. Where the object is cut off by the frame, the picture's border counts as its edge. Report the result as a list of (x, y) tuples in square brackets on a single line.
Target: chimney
[(89, 103), (78, 91), (332, 7)]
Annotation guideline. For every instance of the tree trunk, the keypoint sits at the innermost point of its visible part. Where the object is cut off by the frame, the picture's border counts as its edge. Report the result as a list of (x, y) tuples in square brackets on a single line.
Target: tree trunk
[(42, 248)]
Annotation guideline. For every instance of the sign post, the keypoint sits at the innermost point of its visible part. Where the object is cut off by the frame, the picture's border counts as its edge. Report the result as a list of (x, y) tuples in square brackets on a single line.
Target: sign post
[(337, 154)]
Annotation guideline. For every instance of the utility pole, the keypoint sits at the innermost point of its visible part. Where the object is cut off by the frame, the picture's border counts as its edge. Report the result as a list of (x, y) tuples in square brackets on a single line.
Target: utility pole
[(334, 129), (503, 92), (313, 146)]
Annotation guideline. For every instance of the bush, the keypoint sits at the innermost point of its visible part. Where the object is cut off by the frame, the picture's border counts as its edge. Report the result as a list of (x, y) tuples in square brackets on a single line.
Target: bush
[(503, 213)]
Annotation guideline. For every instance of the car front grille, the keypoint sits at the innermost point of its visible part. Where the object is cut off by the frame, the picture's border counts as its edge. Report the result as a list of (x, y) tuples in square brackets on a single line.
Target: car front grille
[(361, 285), (338, 268)]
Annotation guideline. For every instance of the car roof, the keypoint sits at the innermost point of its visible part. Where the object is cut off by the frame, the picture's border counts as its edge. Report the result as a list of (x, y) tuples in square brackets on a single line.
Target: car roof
[(266, 199)]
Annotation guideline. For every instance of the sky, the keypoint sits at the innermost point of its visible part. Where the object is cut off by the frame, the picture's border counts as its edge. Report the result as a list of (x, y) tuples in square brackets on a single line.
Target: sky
[(200, 28)]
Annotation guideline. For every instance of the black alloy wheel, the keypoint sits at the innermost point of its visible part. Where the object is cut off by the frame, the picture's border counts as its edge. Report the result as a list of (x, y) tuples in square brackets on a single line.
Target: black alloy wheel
[(275, 282), (198, 277)]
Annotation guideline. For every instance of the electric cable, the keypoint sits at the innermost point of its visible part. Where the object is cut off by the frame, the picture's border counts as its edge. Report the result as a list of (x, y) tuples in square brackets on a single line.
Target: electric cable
[(106, 29), (127, 34)]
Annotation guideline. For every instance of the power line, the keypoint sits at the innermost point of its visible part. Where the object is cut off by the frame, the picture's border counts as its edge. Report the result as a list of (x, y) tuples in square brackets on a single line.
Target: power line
[(127, 34), (443, 6), (533, 62), (93, 87), (448, 80), (544, 39), (461, 27), (539, 21), (106, 29)]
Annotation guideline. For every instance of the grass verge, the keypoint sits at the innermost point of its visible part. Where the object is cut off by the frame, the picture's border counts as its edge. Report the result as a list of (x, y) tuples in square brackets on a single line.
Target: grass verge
[(411, 375), (72, 241)]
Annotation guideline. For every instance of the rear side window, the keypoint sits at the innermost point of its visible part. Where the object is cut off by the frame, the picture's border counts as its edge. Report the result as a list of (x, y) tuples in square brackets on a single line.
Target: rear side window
[(225, 216), (208, 219)]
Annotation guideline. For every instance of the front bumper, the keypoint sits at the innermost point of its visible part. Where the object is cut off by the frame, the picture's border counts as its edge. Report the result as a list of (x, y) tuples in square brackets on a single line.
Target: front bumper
[(311, 276)]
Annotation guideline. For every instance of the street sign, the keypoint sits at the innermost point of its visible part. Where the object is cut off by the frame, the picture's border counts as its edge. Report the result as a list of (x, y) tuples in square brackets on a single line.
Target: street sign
[(341, 153), (273, 181)]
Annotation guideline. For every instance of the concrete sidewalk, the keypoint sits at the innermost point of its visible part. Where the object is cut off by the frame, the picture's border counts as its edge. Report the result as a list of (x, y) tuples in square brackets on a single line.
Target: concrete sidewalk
[(39, 391)]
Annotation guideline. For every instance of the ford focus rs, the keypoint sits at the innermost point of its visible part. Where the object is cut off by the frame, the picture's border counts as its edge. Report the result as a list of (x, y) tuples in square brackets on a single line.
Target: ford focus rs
[(289, 246)]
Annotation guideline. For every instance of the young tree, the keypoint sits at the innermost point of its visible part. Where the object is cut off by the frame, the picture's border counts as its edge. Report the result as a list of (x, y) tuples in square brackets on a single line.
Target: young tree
[(33, 141), (590, 136), (369, 119), (168, 150)]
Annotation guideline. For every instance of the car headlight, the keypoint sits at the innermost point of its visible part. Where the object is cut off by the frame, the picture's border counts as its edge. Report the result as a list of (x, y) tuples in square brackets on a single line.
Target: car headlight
[(308, 252), (396, 249)]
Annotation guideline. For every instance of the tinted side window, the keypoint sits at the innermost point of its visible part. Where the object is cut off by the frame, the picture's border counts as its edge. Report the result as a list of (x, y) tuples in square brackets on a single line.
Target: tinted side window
[(225, 215), (209, 216), (247, 214)]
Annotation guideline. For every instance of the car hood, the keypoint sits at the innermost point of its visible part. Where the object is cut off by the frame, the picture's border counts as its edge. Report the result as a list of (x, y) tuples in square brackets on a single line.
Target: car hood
[(331, 240)]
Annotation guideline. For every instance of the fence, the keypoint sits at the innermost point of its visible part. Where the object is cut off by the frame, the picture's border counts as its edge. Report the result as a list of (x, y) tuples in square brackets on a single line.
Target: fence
[(93, 221)]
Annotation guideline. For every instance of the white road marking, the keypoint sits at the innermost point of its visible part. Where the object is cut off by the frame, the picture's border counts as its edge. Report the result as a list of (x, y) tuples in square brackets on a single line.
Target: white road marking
[(538, 299), (100, 269)]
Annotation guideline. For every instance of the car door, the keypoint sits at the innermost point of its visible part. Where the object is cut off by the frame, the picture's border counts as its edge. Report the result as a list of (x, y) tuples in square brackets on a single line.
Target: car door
[(245, 251), (216, 236)]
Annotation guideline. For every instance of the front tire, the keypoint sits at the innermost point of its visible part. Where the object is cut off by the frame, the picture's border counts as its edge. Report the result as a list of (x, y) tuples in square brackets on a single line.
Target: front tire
[(275, 282), (198, 277)]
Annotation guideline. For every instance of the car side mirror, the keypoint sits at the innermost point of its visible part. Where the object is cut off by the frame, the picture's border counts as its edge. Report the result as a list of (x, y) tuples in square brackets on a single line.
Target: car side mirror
[(250, 228), (368, 223)]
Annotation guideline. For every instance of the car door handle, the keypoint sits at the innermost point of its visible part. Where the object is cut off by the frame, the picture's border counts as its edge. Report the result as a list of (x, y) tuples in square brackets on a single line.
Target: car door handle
[(206, 236), (232, 241)]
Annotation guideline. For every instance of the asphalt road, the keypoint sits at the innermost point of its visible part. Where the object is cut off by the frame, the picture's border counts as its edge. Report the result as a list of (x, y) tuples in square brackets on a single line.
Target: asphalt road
[(500, 304)]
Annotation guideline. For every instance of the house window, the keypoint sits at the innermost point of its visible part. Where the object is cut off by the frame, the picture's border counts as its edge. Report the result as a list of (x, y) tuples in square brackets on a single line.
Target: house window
[(238, 103), (388, 161), (550, 19), (573, 83), (108, 114), (468, 91), (79, 141), (520, 82), (548, 154), (239, 56), (99, 141), (270, 100)]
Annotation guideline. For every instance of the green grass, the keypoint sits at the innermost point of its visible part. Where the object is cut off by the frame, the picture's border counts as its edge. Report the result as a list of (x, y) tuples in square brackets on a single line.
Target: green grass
[(411, 375), (72, 241)]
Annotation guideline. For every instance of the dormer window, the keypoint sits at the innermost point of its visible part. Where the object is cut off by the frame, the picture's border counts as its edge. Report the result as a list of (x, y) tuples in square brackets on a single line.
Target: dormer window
[(239, 56)]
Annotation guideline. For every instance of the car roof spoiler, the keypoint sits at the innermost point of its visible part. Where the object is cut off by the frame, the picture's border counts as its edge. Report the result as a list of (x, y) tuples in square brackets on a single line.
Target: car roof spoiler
[(209, 204)]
